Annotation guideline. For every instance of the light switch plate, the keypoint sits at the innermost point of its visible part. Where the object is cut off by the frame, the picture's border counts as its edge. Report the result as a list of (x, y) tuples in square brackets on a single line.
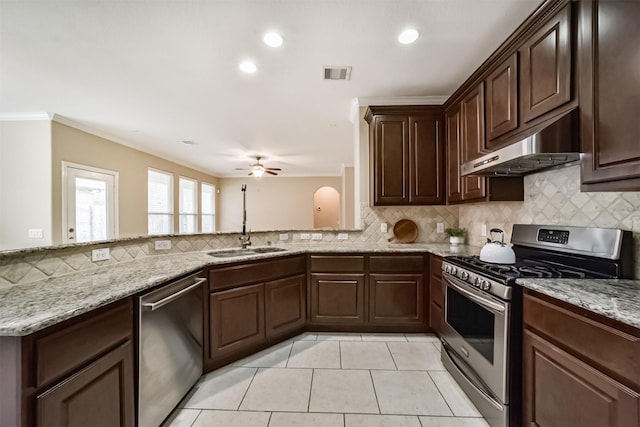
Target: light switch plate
[(304, 236), (440, 227), (483, 230), (284, 236), (100, 254), (162, 245), (35, 233), (316, 236), (343, 236), (383, 227)]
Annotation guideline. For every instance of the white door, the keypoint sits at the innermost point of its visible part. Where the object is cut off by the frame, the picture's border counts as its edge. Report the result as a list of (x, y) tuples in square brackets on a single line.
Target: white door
[(90, 210)]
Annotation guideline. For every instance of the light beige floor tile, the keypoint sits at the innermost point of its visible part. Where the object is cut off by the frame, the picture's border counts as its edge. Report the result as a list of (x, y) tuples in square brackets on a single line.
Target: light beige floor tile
[(275, 389), (289, 419), (232, 419), (313, 354), (408, 393), (307, 336), (358, 420), (221, 389), (458, 401), (272, 357), (453, 422), (437, 345), (422, 338), (339, 336), (366, 355), (182, 418), (417, 356), (384, 337), (342, 391)]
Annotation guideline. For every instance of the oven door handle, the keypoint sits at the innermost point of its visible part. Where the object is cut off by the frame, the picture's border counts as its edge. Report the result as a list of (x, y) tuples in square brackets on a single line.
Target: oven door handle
[(488, 304)]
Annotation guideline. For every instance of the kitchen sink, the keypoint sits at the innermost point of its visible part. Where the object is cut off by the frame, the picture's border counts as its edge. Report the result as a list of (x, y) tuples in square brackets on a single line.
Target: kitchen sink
[(232, 253)]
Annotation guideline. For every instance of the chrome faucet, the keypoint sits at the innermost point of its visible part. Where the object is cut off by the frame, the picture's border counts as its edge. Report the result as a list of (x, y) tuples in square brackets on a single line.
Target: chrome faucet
[(245, 239)]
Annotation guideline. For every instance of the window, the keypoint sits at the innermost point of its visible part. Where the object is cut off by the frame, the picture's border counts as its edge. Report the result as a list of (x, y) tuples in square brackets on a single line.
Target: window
[(160, 202), (188, 193), (208, 197)]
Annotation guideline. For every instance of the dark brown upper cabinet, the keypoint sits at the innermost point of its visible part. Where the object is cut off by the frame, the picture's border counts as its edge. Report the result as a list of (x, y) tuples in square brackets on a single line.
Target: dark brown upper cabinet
[(407, 155), (546, 67), (502, 100), (453, 135), (609, 36), (472, 119)]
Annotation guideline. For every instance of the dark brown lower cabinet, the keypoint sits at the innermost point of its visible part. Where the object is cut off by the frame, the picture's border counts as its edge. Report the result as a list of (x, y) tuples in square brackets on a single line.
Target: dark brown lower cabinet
[(285, 305), (337, 298), (395, 298), (580, 369), (436, 294), (100, 394), (236, 319), (562, 390)]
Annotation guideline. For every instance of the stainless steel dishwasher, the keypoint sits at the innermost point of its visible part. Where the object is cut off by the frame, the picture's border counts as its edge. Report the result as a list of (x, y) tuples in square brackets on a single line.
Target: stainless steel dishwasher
[(169, 346)]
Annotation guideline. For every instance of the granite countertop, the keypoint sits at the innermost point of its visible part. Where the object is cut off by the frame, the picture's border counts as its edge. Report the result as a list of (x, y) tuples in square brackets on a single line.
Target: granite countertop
[(27, 308), (617, 299)]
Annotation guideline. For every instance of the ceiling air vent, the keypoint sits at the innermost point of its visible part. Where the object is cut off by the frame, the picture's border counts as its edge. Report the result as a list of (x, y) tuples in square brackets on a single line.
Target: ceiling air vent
[(336, 73)]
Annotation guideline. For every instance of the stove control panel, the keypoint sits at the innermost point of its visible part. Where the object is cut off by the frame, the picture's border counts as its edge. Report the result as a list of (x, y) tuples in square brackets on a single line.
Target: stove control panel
[(553, 236), (476, 280)]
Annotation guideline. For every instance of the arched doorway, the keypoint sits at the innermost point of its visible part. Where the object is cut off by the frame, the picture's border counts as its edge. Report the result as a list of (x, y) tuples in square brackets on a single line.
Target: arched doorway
[(326, 208)]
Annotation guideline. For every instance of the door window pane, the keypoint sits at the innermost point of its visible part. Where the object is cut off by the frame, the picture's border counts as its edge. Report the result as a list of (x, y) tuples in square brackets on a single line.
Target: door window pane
[(91, 210), (208, 208), (160, 202)]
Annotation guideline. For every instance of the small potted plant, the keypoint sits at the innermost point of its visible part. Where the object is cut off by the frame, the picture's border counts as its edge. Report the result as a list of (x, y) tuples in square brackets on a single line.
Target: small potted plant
[(456, 235)]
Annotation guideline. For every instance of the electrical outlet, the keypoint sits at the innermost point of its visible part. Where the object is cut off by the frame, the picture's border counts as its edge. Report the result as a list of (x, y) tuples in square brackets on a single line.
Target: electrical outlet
[(343, 236), (284, 236), (35, 233), (440, 227), (483, 229), (316, 236), (100, 254), (304, 236), (162, 245), (383, 227)]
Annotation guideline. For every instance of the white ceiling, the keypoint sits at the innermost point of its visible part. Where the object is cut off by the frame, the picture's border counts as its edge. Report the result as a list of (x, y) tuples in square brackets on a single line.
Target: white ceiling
[(152, 73)]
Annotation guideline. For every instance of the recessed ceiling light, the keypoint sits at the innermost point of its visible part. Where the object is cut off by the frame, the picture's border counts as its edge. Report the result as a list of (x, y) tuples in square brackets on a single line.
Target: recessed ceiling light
[(408, 36), (272, 39), (248, 67)]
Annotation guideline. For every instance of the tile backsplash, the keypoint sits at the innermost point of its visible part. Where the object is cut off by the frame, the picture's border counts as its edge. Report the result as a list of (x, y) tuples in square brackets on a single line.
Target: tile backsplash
[(551, 197), (554, 198)]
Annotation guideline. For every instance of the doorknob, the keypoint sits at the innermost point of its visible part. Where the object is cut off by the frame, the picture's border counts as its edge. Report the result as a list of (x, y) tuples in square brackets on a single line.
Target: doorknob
[(71, 230)]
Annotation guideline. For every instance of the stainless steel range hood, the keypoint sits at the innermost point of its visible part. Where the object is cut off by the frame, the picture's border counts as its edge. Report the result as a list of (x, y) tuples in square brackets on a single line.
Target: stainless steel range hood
[(549, 144)]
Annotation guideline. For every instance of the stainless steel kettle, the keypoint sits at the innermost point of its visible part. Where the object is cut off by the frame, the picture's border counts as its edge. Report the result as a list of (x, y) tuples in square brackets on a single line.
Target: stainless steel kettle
[(497, 252)]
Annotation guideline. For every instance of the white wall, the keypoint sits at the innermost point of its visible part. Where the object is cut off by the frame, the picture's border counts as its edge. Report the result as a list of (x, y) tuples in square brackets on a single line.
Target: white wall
[(25, 183), (273, 203)]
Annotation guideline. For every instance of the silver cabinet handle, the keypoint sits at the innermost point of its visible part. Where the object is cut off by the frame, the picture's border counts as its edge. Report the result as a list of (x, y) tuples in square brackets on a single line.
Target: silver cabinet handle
[(151, 306)]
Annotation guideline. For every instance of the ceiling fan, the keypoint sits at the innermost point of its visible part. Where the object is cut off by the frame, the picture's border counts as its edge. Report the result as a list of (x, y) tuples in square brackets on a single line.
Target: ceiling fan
[(258, 169)]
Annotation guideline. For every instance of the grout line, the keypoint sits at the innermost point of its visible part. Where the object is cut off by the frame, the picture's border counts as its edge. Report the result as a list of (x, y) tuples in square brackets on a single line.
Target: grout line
[(441, 395), (269, 421), (391, 354), (286, 365), (247, 390), (375, 393), (313, 373), (344, 420), (196, 418), (340, 352)]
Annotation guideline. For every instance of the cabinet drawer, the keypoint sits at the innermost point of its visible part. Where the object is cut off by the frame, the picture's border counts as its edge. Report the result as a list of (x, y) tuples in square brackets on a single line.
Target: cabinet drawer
[(245, 274), (63, 351), (615, 352), (396, 263), (337, 264)]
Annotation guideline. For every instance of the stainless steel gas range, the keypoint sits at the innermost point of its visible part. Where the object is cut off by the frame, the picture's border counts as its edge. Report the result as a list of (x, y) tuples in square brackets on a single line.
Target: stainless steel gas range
[(482, 332)]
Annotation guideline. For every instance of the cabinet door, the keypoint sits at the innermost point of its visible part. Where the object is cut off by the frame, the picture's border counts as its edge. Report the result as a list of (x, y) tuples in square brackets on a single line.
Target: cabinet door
[(609, 87), (502, 100), (237, 319), (390, 160), (453, 134), (426, 154), (101, 394), (561, 390), (546, 67), (285, 307), (337, 298), (396, 298), (436, 294), (473, 187)]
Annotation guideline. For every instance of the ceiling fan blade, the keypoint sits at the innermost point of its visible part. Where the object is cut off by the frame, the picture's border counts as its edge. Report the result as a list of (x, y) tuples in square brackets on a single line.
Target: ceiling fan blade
[(240, 169), (250, 173), (273, 169), (269, 172)]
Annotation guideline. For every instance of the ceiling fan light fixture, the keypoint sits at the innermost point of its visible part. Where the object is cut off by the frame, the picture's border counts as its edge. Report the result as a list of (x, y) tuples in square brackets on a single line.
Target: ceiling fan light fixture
[(408, 36), (257, 171), (248, 67)]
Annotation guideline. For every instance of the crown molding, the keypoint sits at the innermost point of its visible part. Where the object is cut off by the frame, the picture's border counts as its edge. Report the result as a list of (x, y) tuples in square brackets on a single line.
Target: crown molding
[(25, 116), (365, 101)]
